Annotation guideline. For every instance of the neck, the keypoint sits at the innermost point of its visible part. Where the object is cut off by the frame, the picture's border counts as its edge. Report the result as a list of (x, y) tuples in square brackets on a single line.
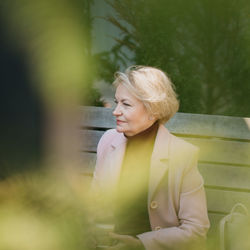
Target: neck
[(145, 132)]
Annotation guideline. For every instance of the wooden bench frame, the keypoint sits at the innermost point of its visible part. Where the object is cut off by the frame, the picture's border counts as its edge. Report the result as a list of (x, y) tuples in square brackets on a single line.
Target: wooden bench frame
[(224, 160)]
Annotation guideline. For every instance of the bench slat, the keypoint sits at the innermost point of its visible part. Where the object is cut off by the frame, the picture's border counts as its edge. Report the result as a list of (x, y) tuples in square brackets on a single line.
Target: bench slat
[(216, 150), (222, 201), (90, 139), (222, 151), (181, 123), (210, 125), (97, 117), (225, 176)]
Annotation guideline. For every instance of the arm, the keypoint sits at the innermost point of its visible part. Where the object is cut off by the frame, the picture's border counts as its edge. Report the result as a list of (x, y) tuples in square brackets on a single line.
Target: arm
[(98, 195), (100, 156), (192, 214), (97, 206)]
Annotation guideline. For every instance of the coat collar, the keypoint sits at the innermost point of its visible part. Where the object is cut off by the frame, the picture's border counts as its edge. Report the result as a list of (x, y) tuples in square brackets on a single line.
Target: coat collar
[(161, 147), (120, 139), (115, 159), (159, 160)]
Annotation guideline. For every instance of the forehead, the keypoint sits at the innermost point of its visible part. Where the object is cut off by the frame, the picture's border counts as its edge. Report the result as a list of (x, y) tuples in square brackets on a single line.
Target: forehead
[(123, 93)]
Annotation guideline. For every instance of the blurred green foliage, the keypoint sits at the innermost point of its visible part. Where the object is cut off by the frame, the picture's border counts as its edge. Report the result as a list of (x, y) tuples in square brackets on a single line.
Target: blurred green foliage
[(56, 37), (52, 38), (204, 46), (42, 211)]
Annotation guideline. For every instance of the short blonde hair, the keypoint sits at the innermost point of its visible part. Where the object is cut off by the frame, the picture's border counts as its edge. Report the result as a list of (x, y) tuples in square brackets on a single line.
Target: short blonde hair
[(152, 87)]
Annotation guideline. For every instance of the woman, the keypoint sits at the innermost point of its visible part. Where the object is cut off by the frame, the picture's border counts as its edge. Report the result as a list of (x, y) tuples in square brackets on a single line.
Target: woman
[(156, 193)]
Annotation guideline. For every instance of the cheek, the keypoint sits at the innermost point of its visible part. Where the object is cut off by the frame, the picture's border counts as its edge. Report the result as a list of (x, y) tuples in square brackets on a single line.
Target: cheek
[(136, 116), (140, 119), (129, 115)]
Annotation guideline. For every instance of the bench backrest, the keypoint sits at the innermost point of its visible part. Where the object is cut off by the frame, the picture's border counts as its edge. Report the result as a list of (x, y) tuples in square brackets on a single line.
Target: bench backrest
[(224, 160)]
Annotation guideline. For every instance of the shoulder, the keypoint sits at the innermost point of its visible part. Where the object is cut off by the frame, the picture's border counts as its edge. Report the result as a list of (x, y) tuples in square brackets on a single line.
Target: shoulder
[(107, 138), (171, 145), (178, 144), (108, 134), (183, 155)]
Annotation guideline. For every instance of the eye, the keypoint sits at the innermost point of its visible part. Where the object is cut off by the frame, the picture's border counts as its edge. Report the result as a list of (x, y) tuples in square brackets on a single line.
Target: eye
[(126, 104), (115, 101)]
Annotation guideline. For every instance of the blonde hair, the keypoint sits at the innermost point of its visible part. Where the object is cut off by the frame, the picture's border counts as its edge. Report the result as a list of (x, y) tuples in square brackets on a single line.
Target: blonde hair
[(152, 87)]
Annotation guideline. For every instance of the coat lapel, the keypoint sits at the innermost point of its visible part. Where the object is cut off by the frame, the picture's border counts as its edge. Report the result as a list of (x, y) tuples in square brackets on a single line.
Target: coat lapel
[(159, 160), (115, 159)]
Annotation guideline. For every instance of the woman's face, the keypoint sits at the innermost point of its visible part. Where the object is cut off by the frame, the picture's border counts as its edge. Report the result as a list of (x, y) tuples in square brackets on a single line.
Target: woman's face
[(131, 114)]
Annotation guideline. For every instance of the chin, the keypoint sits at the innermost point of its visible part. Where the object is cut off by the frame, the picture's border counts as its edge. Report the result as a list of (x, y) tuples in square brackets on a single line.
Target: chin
[(120, 129)]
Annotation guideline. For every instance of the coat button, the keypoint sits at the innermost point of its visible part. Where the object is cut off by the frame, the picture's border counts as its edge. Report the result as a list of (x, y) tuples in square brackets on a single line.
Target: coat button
[(154, 204), (157, 228)]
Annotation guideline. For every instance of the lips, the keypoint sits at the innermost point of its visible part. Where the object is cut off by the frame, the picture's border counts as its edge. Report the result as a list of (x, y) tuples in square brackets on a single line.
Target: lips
[(119, 122)]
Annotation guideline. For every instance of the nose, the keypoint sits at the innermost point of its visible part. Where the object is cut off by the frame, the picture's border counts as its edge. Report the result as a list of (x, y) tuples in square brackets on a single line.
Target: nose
[(117, 111)]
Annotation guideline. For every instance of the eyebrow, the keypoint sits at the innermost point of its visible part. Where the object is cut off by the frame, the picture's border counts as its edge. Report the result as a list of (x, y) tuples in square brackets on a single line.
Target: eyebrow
[(122, 100)]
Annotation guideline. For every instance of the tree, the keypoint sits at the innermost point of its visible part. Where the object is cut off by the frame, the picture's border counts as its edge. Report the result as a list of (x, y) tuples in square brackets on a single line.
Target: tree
[(202, 45)]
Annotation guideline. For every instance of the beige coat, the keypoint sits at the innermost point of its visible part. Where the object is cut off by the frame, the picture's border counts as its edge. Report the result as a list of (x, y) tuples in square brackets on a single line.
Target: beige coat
[(176, 198)]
